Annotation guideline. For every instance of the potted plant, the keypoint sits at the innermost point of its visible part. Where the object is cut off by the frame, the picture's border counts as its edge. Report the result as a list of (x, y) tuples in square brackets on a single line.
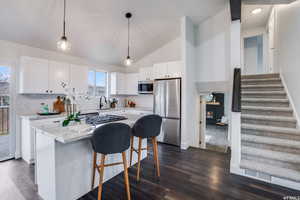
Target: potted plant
[(71, 118)]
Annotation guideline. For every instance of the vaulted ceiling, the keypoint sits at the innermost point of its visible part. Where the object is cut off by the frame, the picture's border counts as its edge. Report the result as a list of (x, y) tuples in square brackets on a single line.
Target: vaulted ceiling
[(97, 29)]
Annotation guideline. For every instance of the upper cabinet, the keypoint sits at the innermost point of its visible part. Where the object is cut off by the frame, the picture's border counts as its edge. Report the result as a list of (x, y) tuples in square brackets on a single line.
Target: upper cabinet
[(79, 78), (167, 70), (39, 76), (132, 80), (34, 75), (124, 84), (58, 74), (146, 74)]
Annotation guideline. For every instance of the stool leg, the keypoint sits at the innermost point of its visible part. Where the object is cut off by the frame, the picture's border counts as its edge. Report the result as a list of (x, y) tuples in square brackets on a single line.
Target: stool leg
[(126, 175), (101, 176), (94, 169), (131, 149), (139, 159), (155, 150)]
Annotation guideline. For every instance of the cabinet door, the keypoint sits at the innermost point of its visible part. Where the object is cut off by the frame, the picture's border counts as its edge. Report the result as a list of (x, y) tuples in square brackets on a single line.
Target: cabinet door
[(33, 76), (174, 69), (160, 70), (121, 84), (117, 83), (58, 74), (79, 78), (146, 74), (132, 83), (113, 83), (142, 74)]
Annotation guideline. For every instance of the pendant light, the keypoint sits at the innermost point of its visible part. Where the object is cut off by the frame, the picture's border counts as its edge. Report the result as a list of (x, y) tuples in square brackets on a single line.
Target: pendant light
[(128, 61), (63, 44)]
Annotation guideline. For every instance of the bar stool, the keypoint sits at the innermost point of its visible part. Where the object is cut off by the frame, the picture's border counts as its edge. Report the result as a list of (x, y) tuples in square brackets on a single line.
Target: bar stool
[(110, 139), (146, 127)]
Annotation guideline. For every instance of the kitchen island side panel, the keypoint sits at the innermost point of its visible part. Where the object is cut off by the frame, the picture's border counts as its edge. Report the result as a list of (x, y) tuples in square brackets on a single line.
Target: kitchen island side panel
[(71, 165)]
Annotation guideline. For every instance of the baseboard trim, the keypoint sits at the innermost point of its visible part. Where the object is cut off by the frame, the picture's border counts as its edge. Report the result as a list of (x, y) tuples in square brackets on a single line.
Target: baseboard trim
[(274, 180), (184, 146)]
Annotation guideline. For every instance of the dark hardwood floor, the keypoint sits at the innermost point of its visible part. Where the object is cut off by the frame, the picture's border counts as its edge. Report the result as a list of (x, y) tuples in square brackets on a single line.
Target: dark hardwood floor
[(185, 175)]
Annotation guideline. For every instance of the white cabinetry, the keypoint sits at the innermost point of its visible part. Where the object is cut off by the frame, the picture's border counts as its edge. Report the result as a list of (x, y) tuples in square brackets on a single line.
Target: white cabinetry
[(34, 75), (124, 84), (174, 69), (58, 73), (132, 80), (167, 70), (79, 78), (117, 86), (146, 74), (160, 70), (40, 76)]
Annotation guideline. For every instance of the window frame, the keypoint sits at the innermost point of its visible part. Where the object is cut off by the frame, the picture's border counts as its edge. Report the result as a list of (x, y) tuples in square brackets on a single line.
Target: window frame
[(94, 83)]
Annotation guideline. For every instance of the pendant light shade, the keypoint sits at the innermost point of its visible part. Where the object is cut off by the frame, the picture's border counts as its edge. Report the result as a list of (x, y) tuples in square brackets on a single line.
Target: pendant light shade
[(128, 61), (63, 44)]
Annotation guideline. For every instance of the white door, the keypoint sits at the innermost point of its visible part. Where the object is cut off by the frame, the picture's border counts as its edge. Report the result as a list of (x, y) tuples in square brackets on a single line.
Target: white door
[(6, 139), (34, 75), (79, 78), (58, 74)]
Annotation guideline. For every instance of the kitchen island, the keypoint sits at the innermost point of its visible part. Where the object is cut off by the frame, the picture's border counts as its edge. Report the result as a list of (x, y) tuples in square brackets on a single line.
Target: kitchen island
[(63, 155)]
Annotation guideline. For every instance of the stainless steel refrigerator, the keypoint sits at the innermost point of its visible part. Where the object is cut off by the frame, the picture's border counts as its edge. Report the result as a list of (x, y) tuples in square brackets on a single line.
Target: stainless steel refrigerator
[(167, 104)]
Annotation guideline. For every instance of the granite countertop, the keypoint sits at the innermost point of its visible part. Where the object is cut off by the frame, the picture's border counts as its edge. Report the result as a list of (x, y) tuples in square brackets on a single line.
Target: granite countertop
[(41, 117), (73, 133)]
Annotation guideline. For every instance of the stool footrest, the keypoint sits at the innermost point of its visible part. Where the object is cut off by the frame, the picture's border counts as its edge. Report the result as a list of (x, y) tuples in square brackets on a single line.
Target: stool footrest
[(111, 164)]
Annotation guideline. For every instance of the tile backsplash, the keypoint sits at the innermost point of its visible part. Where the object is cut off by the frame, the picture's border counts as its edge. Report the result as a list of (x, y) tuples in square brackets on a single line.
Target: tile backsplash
[(30, 103)]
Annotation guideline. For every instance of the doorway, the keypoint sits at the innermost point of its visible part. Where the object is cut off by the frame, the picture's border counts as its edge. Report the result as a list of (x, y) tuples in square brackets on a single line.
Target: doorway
[(253, 55), (6, 151), (214, 122)]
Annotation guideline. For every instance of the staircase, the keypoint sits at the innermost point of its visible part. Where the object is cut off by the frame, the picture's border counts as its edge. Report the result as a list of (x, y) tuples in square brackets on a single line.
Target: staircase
[(270, 143)]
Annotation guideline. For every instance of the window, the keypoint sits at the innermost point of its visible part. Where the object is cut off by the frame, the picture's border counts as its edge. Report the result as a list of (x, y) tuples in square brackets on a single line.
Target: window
[(97, 83)]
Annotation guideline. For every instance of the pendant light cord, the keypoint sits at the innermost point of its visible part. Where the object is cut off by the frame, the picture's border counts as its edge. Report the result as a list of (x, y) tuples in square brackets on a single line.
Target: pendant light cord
[(64, 25), (128, 36)]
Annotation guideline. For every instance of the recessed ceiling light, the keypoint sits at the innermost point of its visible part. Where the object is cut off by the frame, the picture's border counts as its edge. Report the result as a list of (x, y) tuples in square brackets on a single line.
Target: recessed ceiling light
[(256, 11)]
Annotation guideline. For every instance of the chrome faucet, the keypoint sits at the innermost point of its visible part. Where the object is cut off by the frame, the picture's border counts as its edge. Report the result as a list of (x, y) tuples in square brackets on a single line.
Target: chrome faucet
[(101, 103)]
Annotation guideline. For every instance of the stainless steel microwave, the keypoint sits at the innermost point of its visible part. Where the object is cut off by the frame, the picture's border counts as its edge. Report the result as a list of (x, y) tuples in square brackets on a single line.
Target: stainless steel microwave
[(145, 87)]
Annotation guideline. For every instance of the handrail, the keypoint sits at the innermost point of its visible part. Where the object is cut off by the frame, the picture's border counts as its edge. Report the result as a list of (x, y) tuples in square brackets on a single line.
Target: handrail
[(236, 93)]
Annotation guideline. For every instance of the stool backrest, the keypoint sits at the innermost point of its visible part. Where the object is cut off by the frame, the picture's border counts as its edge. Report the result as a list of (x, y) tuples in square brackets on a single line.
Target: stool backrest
[(147, 126), (111, 138)]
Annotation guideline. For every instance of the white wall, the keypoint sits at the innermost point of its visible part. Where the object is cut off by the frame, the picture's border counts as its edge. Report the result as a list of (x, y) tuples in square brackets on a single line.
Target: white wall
[(190, 97), (171, 51), (213, 55), (213, 44), (288, 45)]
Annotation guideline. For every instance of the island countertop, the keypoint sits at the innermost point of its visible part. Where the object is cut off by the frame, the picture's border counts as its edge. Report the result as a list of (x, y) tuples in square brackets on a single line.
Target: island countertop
[(73, 132)]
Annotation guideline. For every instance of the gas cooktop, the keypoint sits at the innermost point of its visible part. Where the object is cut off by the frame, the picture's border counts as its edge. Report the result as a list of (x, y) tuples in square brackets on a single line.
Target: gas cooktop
[(101, 119)]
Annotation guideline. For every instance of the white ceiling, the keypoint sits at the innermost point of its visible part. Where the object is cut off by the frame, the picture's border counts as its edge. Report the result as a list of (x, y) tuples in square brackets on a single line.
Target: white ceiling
[(97, 29), (250, 20)]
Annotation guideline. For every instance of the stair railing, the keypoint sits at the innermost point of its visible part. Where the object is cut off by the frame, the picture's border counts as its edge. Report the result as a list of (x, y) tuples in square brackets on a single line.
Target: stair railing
[(236, 93)]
